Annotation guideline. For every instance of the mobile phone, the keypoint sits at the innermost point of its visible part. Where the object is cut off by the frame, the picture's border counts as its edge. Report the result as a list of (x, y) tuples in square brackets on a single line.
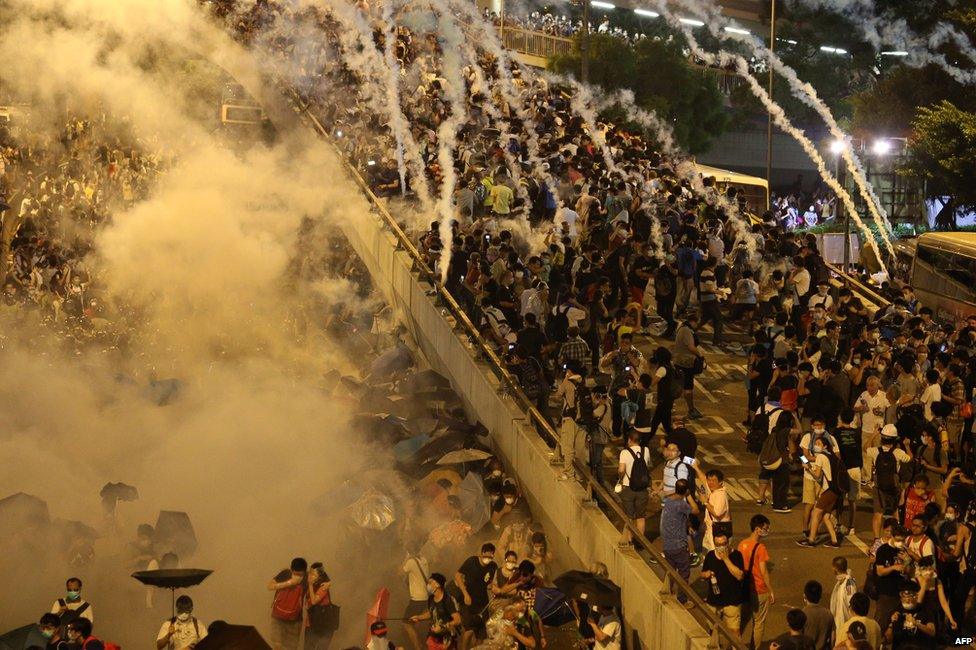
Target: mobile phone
[(803, 459), (689, 460), (628, 368)]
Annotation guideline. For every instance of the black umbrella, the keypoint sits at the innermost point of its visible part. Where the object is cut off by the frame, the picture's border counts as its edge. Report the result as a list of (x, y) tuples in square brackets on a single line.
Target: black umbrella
[(223, 636), (22, 637), (23, 511), (172, 579), (112, 493), (174, 533), (585, 586)]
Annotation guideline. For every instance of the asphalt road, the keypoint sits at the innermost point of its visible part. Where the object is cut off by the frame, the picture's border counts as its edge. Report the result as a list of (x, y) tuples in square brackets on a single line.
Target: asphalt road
[(721, 396)]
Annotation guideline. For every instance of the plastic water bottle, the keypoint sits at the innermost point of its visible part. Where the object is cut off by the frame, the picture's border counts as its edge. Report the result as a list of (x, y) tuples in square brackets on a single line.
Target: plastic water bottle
[(714, 582)]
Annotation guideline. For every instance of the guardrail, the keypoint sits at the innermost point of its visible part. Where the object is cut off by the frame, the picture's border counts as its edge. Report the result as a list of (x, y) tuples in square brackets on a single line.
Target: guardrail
[(872, 300), (702, 612)]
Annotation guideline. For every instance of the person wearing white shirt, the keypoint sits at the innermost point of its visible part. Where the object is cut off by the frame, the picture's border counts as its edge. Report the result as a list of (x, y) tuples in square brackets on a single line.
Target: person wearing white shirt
[(822, 298), (634, 502), (569, 217), (931, 394), (674, 468), (182, 631), (607, 630), (844, 587), (73, 602), (716, 501), (871, 406)]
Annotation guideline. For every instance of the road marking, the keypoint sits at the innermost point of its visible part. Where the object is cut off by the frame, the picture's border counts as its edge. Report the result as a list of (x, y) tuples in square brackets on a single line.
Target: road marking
[(705, 392), (861, 546), (717, 455), (739, 490)]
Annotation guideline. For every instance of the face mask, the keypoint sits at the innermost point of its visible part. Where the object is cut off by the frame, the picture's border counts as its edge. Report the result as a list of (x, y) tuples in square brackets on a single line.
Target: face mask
[(430, 590), (509, 500), (950, 516), (485, 561), (895, 544), (763, 533), (183, 616), (819, 431), (74, 595), (510, 566), (47, 634), (909, 605)]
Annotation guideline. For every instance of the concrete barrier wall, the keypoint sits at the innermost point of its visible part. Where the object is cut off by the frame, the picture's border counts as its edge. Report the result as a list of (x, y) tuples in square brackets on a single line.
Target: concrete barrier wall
[(653, 620)]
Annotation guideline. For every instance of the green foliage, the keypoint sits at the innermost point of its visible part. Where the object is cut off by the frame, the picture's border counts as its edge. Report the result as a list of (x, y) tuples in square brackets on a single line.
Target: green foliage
[(943, 152), (662, 81)]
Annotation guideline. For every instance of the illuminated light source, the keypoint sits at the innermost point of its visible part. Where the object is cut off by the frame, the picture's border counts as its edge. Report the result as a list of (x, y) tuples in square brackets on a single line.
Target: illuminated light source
[(881, 147), (370, 162), (737, 30), (645, 12), (837, 146), (338, 134), (895, 53), (692, 22), (832, 50), (602, 5)]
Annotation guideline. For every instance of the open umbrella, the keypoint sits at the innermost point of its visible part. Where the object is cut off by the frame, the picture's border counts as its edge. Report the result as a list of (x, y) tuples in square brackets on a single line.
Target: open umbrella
[(404, 449), (424, 380), (463, 456), (112, 493), (551, 606), (223, 636), (373, 510), (174, 532), (23, 637), (379, 610), (172, 579), (475, 509), (585, 586), (23, 511)]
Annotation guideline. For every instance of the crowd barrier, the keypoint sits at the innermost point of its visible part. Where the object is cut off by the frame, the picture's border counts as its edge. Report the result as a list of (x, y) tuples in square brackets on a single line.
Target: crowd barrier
[(521, 436)]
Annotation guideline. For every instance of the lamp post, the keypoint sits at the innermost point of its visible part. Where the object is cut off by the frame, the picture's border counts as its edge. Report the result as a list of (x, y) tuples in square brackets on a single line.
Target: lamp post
[(837, 148), (585, 44), (769, 115)]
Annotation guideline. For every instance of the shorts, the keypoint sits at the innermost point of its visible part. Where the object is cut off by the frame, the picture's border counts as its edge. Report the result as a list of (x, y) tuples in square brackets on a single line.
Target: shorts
[(471, 619), (855, 474), (687, 377), (811, 490), (731, 615), (885, 503), (415, 608), (766, 474), (634, 502), (827, 500)]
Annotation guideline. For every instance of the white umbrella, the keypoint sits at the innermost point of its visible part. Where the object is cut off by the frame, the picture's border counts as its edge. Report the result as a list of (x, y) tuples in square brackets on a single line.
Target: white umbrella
[(463, 456)]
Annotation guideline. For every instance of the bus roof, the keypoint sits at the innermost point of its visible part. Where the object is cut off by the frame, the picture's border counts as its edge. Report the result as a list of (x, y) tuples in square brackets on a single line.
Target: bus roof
[(726, 176), (956, 242)]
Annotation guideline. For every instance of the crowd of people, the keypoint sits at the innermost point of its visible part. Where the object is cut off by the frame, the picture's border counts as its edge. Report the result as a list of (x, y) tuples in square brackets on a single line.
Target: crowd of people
[(624, 245)]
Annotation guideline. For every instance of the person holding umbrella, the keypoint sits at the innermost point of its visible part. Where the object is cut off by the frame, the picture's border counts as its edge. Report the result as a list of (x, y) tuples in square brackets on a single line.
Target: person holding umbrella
[(183, 630), (606, 627)]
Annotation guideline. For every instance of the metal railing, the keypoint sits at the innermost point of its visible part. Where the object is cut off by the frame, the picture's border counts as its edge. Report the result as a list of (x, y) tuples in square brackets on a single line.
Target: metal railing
[(702, 612), (872, 300)]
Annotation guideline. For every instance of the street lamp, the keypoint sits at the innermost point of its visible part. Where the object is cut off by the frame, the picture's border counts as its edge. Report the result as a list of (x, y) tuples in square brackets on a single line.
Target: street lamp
[(881, 147)]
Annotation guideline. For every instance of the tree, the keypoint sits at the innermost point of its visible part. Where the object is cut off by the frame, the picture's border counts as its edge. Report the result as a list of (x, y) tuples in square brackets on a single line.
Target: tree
[(943, 153), (662, 80)]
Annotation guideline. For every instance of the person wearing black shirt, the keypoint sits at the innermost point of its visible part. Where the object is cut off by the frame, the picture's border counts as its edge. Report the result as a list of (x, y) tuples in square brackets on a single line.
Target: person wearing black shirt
[(911, 627), (724, 568), (682, 436), (889, 564), (848, 438), (531, 338), (794, 639), (473, 581), (442, 610)]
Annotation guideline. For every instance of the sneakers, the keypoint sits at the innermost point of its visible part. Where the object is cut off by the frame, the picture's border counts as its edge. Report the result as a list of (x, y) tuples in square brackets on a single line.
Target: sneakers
[(783, 511), (806, 543), (762, 502), (833, 544), (696, 559)]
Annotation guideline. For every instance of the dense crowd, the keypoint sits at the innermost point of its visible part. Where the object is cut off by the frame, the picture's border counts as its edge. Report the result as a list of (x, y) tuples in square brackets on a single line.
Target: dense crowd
[(622, 241)]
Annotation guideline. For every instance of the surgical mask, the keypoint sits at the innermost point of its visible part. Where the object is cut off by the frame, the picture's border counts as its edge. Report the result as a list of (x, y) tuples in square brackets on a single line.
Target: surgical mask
[(183, 616), (510, 566), (895, 544), (908, 604), (819, 431), (818, 449), (485, 561), (74, 595), (510, 500), (950, 516), (47, 634), (763, 533), (430, 590)]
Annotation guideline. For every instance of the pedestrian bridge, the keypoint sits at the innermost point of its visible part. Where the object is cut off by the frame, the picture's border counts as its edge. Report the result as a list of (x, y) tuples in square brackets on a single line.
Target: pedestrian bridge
[(521, 437)]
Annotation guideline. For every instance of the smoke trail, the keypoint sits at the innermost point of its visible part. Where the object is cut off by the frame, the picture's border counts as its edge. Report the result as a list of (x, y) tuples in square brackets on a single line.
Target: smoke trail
[(895, 34), (393, 88), (723, 59), (805, 93)]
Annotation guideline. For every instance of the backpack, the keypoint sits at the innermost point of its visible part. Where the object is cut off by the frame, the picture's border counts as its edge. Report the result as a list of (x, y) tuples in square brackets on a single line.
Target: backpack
[(770, 455), (758, 431), (105, 644), (584, 406), (692, 488), (70, 615), (640, 477), (663, 283), (558, 326), (676, 387), (886, 471), (287, 604)]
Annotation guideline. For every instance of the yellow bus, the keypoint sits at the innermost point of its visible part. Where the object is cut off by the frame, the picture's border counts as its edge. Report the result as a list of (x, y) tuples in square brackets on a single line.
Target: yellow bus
[(754, 190)]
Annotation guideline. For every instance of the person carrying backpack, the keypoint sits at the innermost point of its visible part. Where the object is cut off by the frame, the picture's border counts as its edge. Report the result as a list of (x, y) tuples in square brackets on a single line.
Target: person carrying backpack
[(577, 403), (287, 608), (80, 635), (183, 630), (72, 606), (635, 479), (774, 450), (886, 460)]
